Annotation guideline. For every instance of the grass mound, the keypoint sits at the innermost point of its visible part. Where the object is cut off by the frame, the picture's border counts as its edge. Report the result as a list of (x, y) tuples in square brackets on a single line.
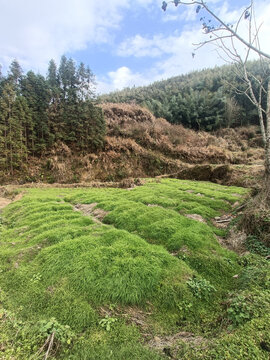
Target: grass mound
[(67, 277)]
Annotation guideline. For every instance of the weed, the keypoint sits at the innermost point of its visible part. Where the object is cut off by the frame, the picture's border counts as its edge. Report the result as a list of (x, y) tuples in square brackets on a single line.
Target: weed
[(62, 333), (36, 278), (239, 311), (257, 247), (107, 322), (201, 288)]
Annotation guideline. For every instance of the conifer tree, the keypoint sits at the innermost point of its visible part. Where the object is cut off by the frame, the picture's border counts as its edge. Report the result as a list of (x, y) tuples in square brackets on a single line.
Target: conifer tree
[(36, 91), (15, 74), (8, 125), (54, 101), (36, 112)]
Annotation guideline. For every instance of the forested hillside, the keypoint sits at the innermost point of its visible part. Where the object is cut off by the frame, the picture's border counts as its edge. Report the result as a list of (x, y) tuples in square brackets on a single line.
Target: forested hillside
[(52, 131), (37, 112), (201, 100)]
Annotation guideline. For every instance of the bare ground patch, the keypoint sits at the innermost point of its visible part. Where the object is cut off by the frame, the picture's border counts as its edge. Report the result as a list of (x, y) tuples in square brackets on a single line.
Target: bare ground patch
[(196, 217), (4, 201), (90, 210), (170, 344), (167, 344), (235, 241)]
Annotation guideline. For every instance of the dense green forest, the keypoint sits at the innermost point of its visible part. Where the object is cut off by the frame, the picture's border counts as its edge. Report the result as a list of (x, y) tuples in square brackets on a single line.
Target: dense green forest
[(37, 112), (201, 100)]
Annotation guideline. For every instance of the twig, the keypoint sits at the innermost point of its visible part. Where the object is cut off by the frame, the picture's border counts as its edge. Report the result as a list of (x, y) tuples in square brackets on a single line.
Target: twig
[(43, 346), (240, 207), (49, 347), (223, 221)]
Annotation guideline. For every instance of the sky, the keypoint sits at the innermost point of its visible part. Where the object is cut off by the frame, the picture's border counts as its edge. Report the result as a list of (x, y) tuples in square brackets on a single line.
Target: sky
[(125, 43)]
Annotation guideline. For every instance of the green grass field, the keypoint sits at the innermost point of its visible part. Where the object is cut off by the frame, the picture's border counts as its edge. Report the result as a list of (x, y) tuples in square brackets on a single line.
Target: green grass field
[(98, 273)]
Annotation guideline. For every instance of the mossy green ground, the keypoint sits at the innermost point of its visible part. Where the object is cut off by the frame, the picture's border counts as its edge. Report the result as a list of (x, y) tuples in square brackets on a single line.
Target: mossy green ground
[(146, 255)]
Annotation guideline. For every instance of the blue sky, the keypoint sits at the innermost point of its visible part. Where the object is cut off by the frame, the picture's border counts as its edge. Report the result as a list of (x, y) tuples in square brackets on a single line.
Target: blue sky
[(125, 43)]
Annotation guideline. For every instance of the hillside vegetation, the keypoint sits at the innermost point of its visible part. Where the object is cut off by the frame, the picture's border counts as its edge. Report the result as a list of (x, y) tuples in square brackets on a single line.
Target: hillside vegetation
[(139, 145), (201, 100), (51, 129), (129, 274)]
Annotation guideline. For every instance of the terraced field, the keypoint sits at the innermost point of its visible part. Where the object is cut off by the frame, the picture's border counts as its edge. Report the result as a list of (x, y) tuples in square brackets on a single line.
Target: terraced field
[(106, 273)]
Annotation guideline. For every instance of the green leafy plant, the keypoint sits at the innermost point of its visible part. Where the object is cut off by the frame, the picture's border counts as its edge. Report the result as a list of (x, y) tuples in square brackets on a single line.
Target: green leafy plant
[(239, 311), (201, 288), (257, 247), (62, 333), (107, 322), (36, 278)]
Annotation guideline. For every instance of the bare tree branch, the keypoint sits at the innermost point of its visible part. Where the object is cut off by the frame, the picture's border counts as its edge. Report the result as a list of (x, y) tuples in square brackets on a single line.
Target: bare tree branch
[(226, 26)]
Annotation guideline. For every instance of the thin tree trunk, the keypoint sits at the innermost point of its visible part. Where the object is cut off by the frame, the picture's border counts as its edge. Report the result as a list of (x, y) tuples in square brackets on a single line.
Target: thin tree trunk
[(10, 149), (6, 144), (256, 103), (267, 145)]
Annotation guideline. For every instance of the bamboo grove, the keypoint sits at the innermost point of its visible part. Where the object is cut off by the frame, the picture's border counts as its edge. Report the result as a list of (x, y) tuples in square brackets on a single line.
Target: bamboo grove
[(201, 100)]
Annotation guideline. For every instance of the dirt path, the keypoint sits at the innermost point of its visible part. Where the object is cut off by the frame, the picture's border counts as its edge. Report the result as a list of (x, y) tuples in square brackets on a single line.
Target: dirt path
[(6, 201)]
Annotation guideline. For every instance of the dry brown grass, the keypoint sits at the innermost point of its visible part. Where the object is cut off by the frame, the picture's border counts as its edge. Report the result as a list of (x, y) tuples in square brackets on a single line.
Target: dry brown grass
[(256, 218), (225, 146), (139, 145), (125, 113)]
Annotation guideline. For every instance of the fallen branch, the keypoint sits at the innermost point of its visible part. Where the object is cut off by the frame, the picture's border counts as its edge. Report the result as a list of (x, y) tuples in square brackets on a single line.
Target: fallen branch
[(223, 221), (49, 347), (240, 207)]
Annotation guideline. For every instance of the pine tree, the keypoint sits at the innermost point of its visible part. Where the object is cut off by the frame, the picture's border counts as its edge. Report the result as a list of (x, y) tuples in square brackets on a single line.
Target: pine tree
[(13, 115), (93, 127), (86, 82), (36, 112), (20, 119), (36, 91), (6, 104), (54, 109), (15, 74)]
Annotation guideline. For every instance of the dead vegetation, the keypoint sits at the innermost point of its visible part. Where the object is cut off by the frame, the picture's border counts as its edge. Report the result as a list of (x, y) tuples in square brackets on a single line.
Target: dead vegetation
[(170, 345), (4, 202), (256, 219), (234, 241)]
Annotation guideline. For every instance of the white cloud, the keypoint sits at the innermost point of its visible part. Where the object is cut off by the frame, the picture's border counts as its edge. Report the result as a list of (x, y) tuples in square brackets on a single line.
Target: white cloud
[(140, 46), (34, 31), (179, 61), (121, 78)]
